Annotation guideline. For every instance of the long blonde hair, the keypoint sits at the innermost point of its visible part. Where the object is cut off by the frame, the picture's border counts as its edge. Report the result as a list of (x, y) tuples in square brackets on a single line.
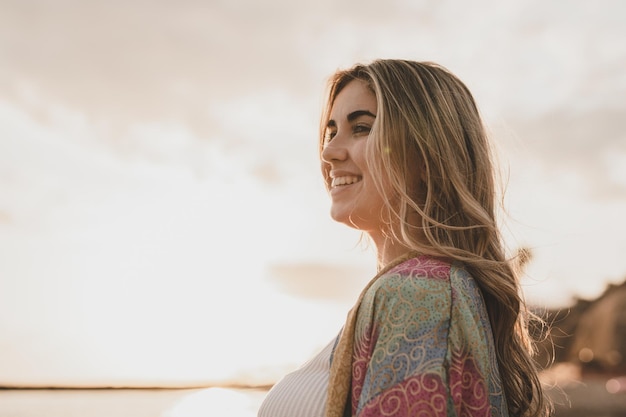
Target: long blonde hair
[(431, 159)]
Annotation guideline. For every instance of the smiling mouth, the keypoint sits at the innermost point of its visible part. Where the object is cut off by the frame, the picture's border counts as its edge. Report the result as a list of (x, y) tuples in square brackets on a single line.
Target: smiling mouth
[(346, 180)]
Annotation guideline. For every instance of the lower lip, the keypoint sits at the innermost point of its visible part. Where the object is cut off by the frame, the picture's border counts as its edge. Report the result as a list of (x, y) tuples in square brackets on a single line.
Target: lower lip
[(341, 188)]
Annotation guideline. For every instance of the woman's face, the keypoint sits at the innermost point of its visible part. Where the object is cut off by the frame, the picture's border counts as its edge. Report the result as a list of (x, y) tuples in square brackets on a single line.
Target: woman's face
[(355, 199)]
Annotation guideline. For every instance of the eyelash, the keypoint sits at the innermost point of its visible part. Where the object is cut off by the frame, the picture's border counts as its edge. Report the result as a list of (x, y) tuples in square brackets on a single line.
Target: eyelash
[(357, 129), (361, 129)]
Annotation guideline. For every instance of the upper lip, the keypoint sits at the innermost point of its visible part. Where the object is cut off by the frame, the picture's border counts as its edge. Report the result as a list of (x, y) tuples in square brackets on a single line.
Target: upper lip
[(334, 177), (340, 173)]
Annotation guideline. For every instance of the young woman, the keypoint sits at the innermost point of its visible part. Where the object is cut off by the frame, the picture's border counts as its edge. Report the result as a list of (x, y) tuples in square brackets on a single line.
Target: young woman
[(441, 329)]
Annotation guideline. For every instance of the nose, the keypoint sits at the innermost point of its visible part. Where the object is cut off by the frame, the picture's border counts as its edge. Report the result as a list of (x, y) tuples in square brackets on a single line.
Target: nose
[(334, 151)]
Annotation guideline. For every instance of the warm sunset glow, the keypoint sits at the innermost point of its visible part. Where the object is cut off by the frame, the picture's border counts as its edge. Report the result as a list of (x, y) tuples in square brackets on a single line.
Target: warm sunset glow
[(163, 220), (214, 402)]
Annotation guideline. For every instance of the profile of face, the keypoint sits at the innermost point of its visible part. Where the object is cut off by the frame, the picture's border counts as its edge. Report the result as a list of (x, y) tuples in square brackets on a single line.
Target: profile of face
[(355, 199)]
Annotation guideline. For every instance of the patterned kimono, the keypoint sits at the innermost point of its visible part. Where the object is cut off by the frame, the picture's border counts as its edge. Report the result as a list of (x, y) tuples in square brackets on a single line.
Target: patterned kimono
[(421, 345)]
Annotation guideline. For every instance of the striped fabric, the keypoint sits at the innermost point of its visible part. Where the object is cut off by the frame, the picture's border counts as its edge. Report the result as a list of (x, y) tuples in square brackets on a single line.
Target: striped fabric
[(301, 393)]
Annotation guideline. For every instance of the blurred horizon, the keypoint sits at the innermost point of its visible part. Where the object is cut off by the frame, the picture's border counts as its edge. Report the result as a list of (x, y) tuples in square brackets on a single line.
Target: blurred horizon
[(162, 215)]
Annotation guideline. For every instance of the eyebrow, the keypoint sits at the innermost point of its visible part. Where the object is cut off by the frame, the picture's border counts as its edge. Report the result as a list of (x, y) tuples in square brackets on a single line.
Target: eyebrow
[(358, 113), (353, 116)]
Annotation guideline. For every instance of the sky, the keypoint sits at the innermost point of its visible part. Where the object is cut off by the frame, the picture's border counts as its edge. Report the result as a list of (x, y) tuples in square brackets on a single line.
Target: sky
[(163, 221)]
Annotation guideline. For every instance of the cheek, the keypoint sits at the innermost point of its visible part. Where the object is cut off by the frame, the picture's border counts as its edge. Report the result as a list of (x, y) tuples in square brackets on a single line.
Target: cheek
[(359, 149), (325, 174)]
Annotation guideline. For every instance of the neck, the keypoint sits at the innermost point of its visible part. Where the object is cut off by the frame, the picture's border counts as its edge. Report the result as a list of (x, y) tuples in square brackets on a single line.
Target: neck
[(387, 250)]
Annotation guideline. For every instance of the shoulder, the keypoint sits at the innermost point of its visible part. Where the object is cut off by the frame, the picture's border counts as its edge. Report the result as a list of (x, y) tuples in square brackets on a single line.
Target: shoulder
[(421, 272), (411, 287), (422, 281), (422, 267)]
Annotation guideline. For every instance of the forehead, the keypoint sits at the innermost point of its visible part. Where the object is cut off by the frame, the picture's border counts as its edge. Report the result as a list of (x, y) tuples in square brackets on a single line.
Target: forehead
[(356, 95)]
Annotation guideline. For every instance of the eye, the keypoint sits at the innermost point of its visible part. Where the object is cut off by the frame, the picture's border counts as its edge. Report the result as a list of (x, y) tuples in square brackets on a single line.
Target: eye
[(330, 134), (361, 129)]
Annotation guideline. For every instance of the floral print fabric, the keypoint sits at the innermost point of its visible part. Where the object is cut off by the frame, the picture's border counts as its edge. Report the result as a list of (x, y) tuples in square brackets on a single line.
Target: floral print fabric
[(423, 345)]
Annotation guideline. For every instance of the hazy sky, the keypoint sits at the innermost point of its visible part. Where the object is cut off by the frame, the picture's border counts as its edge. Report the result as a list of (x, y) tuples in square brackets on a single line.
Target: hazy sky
[(162, 215)]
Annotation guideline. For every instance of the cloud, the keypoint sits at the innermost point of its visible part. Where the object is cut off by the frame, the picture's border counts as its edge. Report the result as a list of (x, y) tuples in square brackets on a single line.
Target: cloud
[(158, 162), (582, 142), (320, 282), (129, 61)]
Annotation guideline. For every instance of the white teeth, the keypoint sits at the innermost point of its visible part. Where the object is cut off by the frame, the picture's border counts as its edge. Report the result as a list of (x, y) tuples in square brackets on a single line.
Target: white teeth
[(338, 181)]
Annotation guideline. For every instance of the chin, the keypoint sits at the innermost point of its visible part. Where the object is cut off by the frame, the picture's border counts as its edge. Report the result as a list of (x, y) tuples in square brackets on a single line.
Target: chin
[(340, 217), (347, 219)]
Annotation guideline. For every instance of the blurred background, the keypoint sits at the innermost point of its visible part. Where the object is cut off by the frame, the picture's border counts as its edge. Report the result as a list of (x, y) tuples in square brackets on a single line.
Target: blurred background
[(163, 222)]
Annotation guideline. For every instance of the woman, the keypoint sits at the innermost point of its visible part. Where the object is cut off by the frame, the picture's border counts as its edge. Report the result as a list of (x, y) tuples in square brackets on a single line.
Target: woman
[(441, 329)]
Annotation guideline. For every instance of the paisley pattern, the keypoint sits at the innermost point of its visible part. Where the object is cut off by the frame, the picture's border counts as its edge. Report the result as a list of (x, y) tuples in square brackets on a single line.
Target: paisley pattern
[(423, 345)]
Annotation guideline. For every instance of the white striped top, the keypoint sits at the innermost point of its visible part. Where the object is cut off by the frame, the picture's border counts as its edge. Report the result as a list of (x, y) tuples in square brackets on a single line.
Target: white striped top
[(302, 392)]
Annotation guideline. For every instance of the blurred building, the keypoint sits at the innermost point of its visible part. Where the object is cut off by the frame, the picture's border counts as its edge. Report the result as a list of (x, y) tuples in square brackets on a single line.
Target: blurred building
[(591, 334)]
